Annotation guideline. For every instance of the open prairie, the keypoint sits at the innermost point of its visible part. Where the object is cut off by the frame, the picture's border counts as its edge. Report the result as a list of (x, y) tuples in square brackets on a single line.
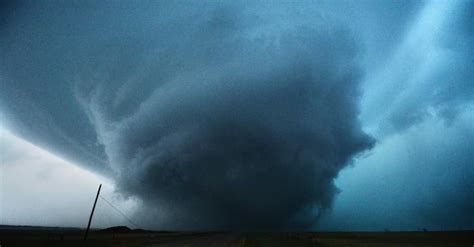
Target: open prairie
[(37, 236)]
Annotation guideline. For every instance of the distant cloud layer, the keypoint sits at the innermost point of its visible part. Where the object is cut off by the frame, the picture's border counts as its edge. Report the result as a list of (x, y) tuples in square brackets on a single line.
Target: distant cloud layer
[(430, 71)]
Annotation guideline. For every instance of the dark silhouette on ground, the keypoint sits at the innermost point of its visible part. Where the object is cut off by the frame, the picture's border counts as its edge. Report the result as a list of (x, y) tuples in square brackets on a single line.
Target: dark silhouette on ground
[(20, 236)]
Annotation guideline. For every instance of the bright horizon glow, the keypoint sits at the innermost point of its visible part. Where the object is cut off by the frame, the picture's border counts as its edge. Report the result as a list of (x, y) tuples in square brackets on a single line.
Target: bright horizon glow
[(39, 188)]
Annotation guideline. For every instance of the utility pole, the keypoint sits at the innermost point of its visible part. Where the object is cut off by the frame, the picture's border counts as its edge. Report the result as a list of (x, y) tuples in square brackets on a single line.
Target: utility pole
[(92, 213)]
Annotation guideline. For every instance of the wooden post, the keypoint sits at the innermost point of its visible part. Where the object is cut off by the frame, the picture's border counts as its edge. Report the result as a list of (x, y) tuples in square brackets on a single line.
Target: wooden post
[(92, 213)]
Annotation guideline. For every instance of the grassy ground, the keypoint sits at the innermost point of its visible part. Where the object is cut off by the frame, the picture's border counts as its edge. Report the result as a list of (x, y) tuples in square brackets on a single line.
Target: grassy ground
[(465, 238), (33, 238), (74, 237)]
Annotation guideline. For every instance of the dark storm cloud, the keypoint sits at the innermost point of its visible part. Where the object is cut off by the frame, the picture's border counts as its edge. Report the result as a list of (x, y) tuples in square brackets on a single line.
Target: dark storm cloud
[(215, 115)]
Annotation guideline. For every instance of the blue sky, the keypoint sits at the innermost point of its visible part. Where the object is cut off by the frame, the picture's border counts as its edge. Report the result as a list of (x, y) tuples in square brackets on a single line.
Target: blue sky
[(342, 115)]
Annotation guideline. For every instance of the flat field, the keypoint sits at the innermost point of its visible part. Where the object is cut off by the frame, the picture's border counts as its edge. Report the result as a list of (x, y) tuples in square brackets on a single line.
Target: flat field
[(38, 236)]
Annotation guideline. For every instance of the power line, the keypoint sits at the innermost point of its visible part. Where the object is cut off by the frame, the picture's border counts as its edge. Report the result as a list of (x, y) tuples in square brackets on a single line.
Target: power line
[(118, 210)]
